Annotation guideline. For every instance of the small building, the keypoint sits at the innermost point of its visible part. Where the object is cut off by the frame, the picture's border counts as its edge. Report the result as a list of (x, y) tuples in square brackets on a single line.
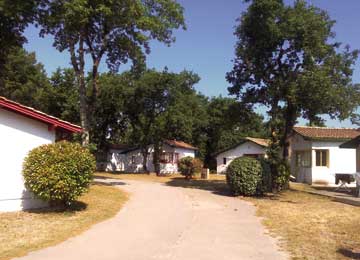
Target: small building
[(251, 147), (124, 159), (22, 129), (316, 155)]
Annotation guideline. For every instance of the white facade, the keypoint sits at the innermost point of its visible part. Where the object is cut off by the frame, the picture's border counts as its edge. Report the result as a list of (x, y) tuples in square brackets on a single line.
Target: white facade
[(18, 135), (248, 148), (132, 161), (307, 168)]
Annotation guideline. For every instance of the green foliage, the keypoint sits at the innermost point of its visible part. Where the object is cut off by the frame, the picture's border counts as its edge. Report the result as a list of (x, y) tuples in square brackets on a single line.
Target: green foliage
[(117, 31), (59, 172), (287, 60), (63, 97), (229, 122), (24, 80), (15, 15), (281, 179), (189, 166), (247, 176)]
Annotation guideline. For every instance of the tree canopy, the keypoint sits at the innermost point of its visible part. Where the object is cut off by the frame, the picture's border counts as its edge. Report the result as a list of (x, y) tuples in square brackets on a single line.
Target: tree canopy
[(287, 60), (117, 30)]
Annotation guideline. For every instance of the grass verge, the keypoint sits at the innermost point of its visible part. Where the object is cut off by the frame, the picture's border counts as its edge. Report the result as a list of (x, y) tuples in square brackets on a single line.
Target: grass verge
[(311, 226), (22, 232)]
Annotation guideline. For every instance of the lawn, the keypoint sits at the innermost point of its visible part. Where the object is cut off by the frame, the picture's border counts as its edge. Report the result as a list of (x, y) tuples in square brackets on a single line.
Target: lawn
[(22, 232), (311, 226)]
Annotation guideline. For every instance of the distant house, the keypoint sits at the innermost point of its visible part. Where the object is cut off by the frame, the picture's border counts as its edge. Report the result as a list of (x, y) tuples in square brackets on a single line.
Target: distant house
[(125, 159), (252, 147), (22, 129), (316, 155)]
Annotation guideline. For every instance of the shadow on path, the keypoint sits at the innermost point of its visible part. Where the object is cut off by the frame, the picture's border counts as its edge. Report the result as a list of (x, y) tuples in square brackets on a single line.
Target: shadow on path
[(349, 253), (218, 187)]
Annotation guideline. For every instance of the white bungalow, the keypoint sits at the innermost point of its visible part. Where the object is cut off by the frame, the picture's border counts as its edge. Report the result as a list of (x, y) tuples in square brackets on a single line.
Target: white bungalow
[(131, 159), (252, 147), (22, 129), (316, 156)]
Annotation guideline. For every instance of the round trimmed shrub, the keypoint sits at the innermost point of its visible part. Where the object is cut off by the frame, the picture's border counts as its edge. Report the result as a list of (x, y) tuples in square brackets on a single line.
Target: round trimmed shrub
[(59, 172), (244, 176), (189, 166)]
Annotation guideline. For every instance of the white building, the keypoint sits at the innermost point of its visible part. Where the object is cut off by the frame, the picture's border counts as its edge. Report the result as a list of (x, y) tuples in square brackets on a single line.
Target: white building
[(252, 147), (131, 159), (315, 155), (22, 129)]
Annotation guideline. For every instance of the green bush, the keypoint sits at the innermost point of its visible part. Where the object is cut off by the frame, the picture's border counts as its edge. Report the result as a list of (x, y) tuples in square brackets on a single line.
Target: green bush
[(59, 172), (189, 166), (281, 179), (248, 176)]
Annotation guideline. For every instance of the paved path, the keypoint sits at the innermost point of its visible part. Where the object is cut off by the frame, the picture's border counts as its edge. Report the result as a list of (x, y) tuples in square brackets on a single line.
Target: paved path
[(172, 223)]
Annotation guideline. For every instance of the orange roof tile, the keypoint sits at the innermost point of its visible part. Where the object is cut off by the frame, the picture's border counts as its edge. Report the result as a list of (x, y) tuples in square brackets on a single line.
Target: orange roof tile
[(180, 144), (326, 133)]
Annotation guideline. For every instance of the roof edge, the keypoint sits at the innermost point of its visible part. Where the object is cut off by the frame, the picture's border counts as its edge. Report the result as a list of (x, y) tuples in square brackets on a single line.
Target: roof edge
[(34, 114)]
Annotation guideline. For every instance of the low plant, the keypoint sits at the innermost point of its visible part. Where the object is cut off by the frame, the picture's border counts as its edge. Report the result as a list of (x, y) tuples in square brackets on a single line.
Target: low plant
[(189, 166), (59, 173), (248, 176)]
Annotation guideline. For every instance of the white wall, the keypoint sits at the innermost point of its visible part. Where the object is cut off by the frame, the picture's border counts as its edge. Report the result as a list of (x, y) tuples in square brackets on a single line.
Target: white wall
[(298, 143), (123, 162), (18, 135), (240, 150), (340, 160)]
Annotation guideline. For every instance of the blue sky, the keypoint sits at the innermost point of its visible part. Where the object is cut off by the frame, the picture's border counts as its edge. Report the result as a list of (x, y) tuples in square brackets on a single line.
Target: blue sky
[(207, 46)]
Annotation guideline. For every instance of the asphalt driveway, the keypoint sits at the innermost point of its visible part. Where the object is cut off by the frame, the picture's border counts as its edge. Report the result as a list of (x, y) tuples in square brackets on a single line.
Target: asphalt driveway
[(173, 223)]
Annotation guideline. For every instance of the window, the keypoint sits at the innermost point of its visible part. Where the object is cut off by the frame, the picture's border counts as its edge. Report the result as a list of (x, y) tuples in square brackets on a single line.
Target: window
[(303, 158), (224, 161), (322, 158), (168, 157), (176, 157)]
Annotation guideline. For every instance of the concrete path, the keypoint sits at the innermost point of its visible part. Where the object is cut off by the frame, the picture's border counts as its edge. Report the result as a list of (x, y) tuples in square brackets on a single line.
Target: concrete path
[(172, 223)]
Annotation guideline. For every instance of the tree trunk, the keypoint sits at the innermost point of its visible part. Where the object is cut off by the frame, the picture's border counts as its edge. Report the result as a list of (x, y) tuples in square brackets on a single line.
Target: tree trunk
[(156, 158), (145, 154), (78, 63), (290, 120), (83, 100)]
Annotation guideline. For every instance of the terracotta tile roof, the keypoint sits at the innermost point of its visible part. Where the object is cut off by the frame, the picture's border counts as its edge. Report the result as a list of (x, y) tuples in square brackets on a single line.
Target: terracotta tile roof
[(327, 133), (180, 144), (38, 115), (260, 141)]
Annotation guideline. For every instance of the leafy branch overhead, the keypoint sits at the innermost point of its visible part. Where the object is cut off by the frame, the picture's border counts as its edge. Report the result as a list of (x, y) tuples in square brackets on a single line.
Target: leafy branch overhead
[(118, 31), (287, 60)]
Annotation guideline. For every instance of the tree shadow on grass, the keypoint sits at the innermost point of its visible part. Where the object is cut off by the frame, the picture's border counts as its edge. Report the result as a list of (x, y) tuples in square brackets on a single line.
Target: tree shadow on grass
[(76, 206), (109, 183), (349, 253), (218, 187)]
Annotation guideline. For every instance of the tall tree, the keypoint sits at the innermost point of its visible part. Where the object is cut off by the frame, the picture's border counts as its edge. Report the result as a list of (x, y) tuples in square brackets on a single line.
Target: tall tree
[(148, 99), (119, 30), (287, 60), (229, 122), (15, 15), (63, 96), (24, 80)]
